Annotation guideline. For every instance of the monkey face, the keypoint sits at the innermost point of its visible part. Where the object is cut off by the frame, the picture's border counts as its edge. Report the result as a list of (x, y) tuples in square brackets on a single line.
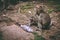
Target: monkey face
[(41, 7)]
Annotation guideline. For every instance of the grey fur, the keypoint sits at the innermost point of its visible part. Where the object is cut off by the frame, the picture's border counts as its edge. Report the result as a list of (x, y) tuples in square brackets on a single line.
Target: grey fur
[(42, 18)]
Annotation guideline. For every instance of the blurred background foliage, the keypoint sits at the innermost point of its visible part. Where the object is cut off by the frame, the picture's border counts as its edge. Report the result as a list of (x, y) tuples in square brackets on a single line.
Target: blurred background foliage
[(5, 3)]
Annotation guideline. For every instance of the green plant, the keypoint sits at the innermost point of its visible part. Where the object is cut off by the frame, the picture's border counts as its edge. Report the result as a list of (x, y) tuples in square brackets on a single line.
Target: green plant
[(50, 10), (27, 6), (1, 36), (38, 37)]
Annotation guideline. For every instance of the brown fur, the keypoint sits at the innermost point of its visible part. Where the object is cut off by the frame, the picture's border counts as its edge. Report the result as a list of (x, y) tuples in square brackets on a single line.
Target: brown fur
[(43, 19)]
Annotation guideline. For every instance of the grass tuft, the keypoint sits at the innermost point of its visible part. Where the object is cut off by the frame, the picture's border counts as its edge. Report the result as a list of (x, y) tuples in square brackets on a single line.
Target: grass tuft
[(38, 37)]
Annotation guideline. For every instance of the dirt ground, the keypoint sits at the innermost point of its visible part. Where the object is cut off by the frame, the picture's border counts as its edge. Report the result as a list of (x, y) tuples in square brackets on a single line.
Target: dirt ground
[(11, 31)]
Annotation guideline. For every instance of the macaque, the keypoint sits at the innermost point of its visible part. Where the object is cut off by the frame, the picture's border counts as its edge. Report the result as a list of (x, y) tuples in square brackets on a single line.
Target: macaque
[(42, 18)]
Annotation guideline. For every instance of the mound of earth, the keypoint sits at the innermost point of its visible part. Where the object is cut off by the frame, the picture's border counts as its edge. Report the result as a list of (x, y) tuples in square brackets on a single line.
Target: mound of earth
[(14, 32)]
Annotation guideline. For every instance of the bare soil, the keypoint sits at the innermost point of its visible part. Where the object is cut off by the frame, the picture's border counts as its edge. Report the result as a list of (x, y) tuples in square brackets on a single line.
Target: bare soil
[(11, 31)]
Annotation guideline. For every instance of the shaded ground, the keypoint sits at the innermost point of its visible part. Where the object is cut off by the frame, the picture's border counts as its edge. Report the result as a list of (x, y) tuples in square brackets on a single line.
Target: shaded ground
[(13, 32)]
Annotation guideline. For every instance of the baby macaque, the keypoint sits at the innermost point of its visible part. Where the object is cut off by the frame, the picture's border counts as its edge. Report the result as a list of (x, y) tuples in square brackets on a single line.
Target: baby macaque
[(42, 18)]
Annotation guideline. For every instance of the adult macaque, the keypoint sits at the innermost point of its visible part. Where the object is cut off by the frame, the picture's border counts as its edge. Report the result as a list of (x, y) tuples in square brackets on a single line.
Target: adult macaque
[(42, 18)]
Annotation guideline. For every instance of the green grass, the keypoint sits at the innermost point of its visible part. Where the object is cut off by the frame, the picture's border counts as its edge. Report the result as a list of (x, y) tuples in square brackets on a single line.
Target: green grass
[(27, 6), (1, 36), (38, 37), (55, 4), (50, 10)]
